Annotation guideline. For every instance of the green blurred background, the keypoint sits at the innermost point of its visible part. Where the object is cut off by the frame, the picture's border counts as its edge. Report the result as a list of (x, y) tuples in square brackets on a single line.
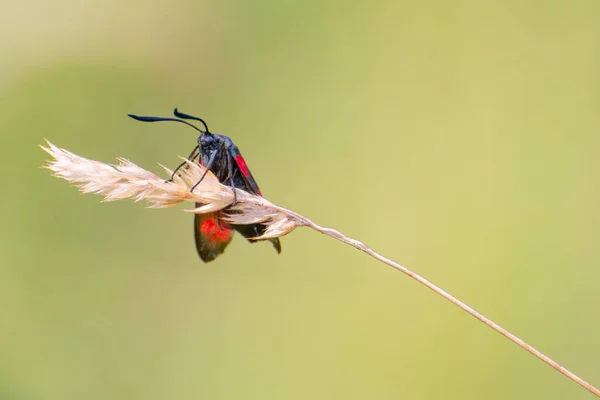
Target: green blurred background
[(458, 138)]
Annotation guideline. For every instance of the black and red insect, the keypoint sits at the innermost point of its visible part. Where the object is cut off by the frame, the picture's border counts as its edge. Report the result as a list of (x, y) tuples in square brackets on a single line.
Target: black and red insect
[(222, 157)]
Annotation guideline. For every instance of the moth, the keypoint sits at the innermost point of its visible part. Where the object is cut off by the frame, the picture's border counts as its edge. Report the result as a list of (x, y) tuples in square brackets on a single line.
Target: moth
[(222, 157)]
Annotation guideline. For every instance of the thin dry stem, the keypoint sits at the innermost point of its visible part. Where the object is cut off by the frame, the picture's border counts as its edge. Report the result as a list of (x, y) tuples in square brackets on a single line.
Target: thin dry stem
[(363, 247), (126, 180)]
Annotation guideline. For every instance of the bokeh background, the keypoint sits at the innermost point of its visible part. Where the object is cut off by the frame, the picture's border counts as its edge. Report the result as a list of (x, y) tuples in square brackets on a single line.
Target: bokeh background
[(458, 138)]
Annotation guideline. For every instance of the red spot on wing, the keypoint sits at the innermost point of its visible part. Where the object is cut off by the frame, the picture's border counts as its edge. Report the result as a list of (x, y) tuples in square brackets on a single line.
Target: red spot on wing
[(244, 168), (242, 164), (214, 232)]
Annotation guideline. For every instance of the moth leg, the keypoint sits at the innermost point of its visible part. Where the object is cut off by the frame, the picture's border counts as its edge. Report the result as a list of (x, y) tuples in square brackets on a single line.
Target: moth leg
[(230, 173), (211, 161), (229, 178), (191, 157)]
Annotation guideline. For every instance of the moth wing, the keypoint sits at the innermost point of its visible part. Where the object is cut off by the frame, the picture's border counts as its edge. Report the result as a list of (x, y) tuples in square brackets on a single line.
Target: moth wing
[(252, 231), (211, 236), (255, 230)]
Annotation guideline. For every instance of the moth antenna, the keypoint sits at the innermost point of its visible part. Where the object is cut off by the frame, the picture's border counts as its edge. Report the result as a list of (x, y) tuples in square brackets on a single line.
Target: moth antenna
[(159, 119), (186, 116)]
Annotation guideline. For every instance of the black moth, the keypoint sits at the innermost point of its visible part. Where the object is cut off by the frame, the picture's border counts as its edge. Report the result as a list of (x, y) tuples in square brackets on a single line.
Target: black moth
[(222, 157)]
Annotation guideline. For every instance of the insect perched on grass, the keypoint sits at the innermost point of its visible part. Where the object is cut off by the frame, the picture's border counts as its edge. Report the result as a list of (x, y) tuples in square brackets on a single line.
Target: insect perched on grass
[(222, 157)]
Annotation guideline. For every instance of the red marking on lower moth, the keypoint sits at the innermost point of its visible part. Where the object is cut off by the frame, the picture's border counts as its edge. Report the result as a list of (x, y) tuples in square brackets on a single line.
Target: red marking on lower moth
[(211, 229), (242, 164)]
